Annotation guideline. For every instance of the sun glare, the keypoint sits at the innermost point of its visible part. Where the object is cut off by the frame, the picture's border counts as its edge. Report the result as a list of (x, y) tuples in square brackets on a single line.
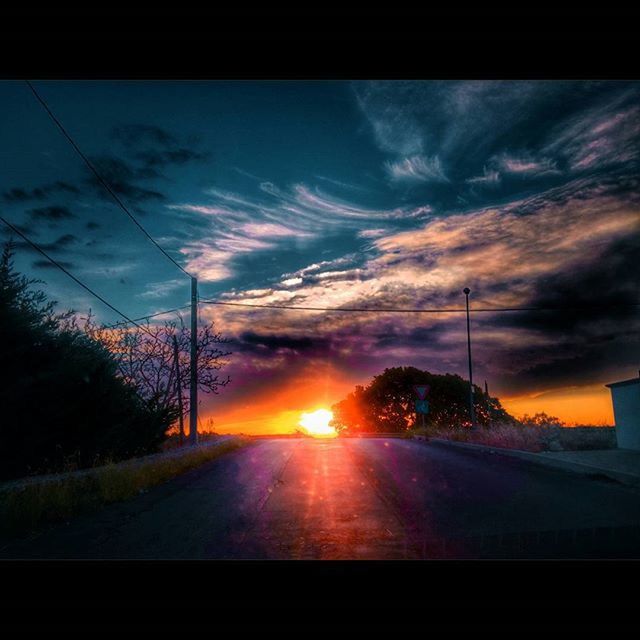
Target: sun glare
[(316, 423)]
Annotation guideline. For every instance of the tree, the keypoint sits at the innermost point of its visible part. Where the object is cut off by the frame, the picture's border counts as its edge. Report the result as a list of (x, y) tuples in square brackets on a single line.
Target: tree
[(62, 401), (144, 356), (540, 420), (387, 404)]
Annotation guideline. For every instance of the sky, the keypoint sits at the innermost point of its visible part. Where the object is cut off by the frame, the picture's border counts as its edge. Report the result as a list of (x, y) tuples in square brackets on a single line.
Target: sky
[(348, 194)]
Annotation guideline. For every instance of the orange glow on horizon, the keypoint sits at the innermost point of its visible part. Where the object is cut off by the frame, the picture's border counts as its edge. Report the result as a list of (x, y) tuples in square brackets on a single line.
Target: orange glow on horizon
[(279, 411), (590, 405)]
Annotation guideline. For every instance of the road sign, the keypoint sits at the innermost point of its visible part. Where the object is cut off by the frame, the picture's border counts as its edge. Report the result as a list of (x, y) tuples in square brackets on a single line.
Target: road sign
[(421, 390), (422, 406)]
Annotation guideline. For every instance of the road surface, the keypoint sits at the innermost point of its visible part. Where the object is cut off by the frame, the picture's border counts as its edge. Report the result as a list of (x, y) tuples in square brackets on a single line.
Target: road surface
[(357, 499)]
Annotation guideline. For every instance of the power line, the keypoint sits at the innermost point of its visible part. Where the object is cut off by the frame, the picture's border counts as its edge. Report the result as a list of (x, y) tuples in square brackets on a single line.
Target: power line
[(153, 315), (410, 310), (82, 284), (99, 177)]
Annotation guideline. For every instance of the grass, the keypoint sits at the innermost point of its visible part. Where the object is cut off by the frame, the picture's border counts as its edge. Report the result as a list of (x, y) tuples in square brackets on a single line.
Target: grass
[(27, 507), (528, 438), (500, 435)]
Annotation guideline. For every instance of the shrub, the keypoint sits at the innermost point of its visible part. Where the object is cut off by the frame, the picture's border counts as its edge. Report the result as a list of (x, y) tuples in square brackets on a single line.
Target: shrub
[(62, 401)]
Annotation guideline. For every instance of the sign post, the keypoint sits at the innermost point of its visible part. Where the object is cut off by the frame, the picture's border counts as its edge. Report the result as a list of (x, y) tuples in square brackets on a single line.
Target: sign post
[(422, 405)]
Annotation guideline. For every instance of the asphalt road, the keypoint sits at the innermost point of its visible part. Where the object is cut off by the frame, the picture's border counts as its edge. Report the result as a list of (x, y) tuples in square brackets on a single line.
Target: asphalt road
[(357, 499)]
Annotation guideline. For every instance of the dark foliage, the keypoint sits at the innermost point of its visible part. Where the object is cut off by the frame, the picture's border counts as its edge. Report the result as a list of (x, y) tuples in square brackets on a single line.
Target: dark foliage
[(62, 402), (387, 404)]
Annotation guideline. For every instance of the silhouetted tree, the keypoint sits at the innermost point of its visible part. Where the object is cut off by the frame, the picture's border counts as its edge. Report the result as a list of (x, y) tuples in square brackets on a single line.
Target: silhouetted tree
[(540, 420), (145, 358), (387, 404), (62, 401)]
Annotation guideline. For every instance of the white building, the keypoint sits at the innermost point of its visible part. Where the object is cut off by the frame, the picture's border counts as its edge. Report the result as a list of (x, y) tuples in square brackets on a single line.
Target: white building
[(626, 410)]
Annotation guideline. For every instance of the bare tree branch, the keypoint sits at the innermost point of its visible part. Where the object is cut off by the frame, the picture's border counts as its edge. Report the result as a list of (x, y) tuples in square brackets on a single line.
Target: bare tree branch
[(145, 358)]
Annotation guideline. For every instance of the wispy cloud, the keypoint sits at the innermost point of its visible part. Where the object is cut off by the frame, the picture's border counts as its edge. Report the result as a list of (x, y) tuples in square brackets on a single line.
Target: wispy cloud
[(372, 233), (417, 168), (238, 224), (526, 165), (469, 127), (155, 290), (604, 135), (489, 177)]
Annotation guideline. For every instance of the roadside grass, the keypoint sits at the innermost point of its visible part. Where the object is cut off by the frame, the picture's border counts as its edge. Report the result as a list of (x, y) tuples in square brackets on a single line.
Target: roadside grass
[(27, 507), (499, 435), (527, 438)]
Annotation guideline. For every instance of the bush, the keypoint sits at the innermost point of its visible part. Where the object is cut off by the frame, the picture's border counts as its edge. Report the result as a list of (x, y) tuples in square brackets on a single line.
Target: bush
[(62, 403)]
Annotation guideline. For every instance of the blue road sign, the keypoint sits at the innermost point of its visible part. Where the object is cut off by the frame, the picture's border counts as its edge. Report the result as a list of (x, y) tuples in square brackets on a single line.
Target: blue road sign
[(422, 406)]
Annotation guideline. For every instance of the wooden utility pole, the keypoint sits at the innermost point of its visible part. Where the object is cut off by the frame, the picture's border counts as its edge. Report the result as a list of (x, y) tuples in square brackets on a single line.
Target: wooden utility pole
[(193, 383), (176, 359)]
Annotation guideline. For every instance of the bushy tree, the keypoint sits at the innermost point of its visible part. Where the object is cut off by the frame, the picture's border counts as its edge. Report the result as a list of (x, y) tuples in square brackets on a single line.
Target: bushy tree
[(61, 400), (387, 404)]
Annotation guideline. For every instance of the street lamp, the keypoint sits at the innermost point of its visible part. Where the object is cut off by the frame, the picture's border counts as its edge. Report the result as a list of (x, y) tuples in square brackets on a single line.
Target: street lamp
[(472, 412)]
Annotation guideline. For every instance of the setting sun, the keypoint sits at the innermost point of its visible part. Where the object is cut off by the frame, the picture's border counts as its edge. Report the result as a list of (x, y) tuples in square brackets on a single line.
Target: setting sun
[(316, 423)]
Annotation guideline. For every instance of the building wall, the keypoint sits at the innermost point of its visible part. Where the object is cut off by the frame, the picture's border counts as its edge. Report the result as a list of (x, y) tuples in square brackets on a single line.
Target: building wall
[(626, 409)]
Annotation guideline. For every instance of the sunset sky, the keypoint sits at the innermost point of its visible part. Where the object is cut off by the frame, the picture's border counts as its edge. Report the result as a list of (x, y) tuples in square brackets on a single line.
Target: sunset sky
[(348, 194)]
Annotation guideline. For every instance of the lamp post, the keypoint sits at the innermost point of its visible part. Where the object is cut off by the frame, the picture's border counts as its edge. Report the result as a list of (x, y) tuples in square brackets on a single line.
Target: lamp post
[(472, 412)]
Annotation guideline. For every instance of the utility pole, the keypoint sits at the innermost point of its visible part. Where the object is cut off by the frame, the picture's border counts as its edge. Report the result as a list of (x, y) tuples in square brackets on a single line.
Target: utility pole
[(176, 359), (487, 402), (193, 383), (472, 412)]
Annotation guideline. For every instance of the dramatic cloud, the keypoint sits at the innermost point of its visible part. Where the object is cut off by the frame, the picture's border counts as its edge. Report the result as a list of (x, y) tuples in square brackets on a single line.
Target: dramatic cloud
[(388, 195), (546, 250)]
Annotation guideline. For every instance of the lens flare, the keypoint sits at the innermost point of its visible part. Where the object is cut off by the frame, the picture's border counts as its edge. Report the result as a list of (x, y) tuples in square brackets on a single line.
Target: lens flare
[(316, 423)]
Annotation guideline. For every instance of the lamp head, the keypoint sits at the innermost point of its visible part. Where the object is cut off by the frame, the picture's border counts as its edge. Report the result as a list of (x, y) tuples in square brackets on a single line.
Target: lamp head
[(466, 291)]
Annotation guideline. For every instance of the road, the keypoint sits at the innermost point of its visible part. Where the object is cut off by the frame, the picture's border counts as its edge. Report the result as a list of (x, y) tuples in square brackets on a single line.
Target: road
[(357, 499)]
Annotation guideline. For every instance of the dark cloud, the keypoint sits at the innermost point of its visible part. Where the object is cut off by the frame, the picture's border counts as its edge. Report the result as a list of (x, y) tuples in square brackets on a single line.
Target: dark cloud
[(45, 264), (590, 329), (60, 244), (593, 294), (26, 229), (574, 362), (122, 178), (92, 225), (53, 213), (393, 336), (18, 194), (136, 134), (154, 148), (275, 342), (66, 240), (164, 158)]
